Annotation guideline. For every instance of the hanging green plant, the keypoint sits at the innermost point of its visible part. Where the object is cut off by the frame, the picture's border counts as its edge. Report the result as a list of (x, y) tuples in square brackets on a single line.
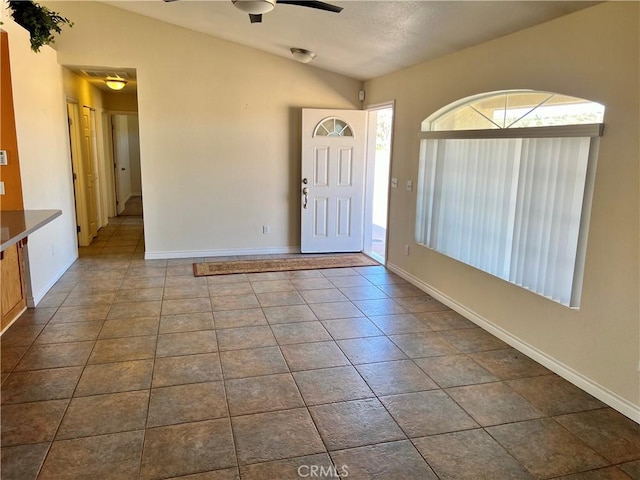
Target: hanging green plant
[(41, 22)]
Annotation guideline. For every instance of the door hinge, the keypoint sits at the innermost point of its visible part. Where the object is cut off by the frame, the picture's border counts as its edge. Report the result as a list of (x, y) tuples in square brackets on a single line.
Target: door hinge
[(78, 228)]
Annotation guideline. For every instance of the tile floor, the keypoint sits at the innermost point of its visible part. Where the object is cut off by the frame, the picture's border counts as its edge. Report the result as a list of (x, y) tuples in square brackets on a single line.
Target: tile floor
[(136, 369)]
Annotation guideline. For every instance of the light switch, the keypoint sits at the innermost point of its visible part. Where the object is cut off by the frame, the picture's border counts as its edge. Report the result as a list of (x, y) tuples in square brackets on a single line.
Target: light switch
[(1, 188), (409, 186), (3, 157), (394, 183)]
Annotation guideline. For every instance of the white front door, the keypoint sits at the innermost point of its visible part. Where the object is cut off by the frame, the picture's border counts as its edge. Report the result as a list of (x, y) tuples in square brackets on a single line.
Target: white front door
[(332, 184)]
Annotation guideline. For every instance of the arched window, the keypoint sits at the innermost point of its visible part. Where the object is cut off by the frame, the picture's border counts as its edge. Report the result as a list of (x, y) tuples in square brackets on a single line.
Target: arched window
[(505, 185), (333, 127)]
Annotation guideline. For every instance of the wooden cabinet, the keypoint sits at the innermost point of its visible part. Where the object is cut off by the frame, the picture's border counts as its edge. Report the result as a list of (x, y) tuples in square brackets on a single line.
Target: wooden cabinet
[(12, 284)]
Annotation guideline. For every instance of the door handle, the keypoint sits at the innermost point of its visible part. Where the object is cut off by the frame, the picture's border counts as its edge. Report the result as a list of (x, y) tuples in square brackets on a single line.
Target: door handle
[(305, 192)]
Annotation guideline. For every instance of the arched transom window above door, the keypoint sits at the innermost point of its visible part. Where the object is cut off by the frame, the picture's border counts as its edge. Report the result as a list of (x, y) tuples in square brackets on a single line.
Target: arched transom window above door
[(514, 109), (333, 127)]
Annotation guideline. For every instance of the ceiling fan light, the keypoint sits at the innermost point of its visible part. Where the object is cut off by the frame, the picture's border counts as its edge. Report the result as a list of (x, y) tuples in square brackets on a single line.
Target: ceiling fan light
[(256, 7), (115, 83), (302, 55)]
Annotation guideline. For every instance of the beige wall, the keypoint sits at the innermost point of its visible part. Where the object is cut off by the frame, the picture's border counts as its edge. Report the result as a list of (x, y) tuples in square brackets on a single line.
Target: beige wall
[(120, 101), (592, 54), (43, 145), (219, 129)]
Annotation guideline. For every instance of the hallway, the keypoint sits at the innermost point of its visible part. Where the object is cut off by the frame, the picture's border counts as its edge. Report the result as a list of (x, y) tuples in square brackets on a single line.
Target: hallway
[(133, 368)]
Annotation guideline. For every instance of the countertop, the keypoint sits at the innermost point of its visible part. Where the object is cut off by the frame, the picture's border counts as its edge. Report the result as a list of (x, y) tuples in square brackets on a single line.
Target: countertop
[(18, 224)]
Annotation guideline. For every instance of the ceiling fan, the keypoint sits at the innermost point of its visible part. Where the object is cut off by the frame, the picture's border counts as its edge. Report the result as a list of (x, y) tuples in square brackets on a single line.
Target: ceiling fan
[(255, 8)]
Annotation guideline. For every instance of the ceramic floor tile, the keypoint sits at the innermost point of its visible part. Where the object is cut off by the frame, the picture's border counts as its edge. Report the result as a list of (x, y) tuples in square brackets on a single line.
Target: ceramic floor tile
[(368, 292), (101, 414), (400, 323), (308, 356), (134, 309), (275, 436), (379, 307), (20, 336), (610, 473), (276, 299), (311, 283), (187, 448), (23, 462), (445, 320), (123, 349), (69, 332), (330, 385), (186, 403), (186, 322), (115, 377), (545, 448), (189, 305), (80, 314), (239, 318), (473, 340), (114, 456), (370, 350), (455, 370), (332, 310), (419, 345), (186, 343), (289, 314), (129, 327), (235, 288), (400, 376), (394, 460), (608, 432), (421, 303), (247, 395), (302, 332), (324, 295), (343, 281), (354, 424), (139, 295), (509, 364), (401, 290), (271, 286), (493, 404), (463, 455), (184, 293), (554, 395), (292, 468), (631, 468), (234, 302), (55, 355), (82, 298), (10, 356), (427, 413), (38, 385), (252, 362), (351, 328), (245, 337), (35, 422), (187, 369)]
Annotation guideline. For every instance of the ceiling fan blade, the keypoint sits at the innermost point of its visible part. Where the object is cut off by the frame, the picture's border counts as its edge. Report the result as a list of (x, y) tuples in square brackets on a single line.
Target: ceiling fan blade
[(255, 18), (327, 7)]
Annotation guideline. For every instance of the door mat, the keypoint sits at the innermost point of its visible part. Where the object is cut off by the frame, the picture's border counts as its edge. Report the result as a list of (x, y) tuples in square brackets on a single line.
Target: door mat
[(313, 262)]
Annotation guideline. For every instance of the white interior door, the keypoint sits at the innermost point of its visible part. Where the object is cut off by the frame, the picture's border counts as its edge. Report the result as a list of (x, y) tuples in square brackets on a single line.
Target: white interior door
[(121, 160), (332, 187), (88, 167)]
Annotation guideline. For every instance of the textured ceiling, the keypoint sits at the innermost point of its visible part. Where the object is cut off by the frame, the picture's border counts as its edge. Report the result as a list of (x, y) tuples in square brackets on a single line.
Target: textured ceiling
[(369, 38)]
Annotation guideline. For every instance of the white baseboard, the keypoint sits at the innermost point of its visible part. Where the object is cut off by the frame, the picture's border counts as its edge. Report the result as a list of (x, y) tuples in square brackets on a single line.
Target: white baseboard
[(219, 252), (34, 298), (602, 393)]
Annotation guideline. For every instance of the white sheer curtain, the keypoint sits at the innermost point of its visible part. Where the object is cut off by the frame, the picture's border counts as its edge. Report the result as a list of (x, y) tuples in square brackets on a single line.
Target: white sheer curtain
[(511, 207)]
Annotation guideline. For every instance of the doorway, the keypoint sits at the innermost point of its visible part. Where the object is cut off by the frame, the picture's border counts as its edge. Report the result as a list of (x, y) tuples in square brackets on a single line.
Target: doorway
[(380, 132), (126, 156)]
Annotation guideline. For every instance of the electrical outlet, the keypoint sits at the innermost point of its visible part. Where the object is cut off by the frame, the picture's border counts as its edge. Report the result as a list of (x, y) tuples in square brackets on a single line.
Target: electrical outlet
[(3, 157), (266, 229), (406, 250), (409, 186), (1, 188), (394, 183)]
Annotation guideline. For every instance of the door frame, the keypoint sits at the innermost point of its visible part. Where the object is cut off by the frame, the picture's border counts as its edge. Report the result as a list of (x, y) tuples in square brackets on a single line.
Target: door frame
[(370, 177), (78, 175)]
